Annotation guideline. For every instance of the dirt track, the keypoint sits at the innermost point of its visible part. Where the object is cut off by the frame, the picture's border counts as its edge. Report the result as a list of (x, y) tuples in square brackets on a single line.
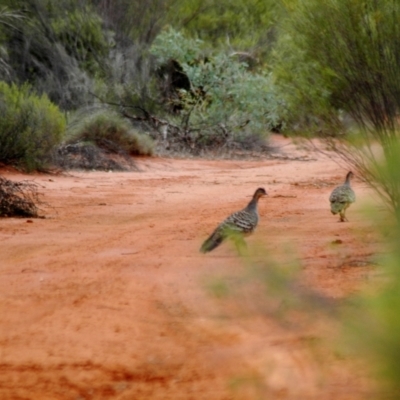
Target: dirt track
[(106, 298)]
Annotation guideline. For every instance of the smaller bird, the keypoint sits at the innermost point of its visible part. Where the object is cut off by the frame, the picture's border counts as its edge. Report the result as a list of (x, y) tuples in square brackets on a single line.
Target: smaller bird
[(341, 198), (237, 225)]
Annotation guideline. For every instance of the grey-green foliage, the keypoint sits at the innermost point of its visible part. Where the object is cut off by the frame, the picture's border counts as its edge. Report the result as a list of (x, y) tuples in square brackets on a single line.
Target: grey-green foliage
[(30, 126), (132, 26), (80, 31), (8, 19), (235, 97), (172, 44), (225, 97), (130, 79), (135, 22), (56, 46)]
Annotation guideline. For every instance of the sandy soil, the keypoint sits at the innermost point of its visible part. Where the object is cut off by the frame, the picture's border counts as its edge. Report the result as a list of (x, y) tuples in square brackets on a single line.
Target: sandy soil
[(107, 296)]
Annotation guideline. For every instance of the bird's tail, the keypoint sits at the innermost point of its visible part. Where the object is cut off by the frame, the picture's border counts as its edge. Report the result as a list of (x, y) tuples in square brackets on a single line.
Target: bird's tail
[(215, 239)]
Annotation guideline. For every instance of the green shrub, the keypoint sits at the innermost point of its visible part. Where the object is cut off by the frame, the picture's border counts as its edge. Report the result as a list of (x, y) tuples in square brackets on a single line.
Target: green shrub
[(242, 25), (226, 103), (30, 126), (338, 57), (302, 87), (111, 132), (373, 324), (336, 68), (357, 54), (80, 32)]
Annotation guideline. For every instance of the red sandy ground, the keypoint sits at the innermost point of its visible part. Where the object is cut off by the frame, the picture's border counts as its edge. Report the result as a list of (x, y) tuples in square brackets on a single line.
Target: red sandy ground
[(106, 298)]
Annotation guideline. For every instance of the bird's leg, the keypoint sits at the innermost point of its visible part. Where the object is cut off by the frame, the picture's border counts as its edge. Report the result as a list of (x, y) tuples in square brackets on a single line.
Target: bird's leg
[(343, 216), (343, 213), (239, 243), (241, 246)]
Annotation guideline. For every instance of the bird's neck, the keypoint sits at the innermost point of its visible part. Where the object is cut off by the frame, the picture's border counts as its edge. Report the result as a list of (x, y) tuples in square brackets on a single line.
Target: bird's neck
[(347, 181), (253, 204)]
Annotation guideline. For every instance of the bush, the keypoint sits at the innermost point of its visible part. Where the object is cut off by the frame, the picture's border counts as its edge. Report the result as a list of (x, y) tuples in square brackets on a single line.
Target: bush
[(226, 101), (58, 48), (246, 26), (337, 59), (373, 325), (358, 53), (338, 56), (80, 32), (112, 133), (30, 126), (303, 91), (131, 79)]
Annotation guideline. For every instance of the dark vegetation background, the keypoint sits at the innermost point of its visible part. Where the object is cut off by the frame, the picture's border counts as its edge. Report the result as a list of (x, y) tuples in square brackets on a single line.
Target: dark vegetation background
[(89, 83), (199, 75)]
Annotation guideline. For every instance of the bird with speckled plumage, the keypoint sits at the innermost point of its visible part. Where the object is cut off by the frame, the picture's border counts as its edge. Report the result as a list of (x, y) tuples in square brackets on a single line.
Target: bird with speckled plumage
[(341, 198), (237, 225)]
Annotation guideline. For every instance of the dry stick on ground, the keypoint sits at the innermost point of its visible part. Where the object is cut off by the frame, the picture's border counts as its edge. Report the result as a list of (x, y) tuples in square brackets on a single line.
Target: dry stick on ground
[(18, 199)]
